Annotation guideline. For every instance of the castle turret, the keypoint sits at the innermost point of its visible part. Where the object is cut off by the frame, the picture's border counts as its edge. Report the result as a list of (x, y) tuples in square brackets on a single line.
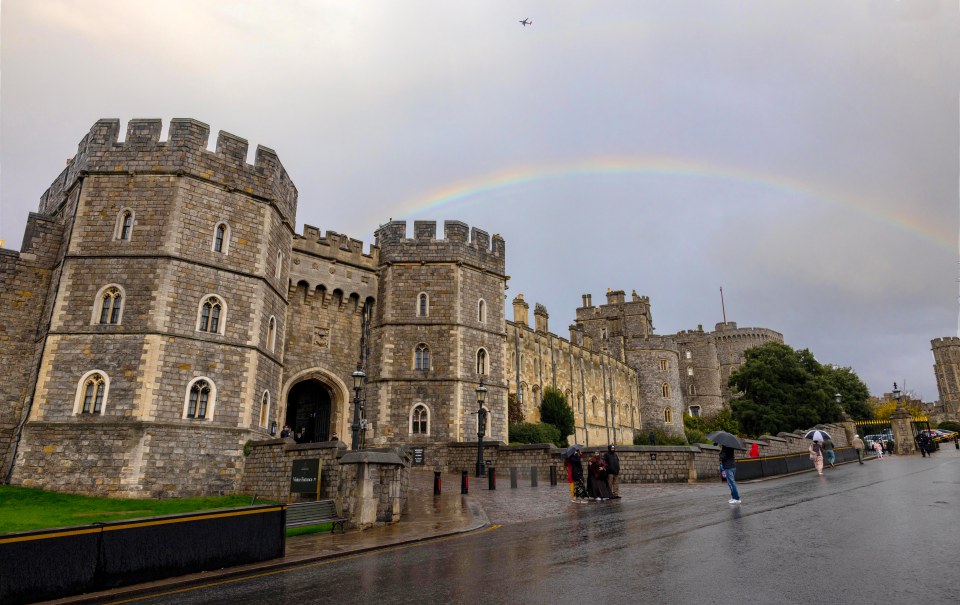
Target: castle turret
[(946, 367), (520, 311)]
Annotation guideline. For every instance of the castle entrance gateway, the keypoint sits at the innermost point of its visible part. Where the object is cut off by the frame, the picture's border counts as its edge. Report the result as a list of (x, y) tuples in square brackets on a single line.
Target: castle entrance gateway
[(309, 408)]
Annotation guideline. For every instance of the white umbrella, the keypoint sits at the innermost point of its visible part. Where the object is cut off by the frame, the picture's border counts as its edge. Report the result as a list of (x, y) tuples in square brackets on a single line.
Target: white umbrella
[(818, 435)]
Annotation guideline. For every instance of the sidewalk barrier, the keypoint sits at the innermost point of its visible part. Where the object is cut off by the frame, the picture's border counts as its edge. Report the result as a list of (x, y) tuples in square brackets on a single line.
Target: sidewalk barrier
[(553, 476), (436, 483), (513, 477), (533, 476), (464, 483), (491, 478)]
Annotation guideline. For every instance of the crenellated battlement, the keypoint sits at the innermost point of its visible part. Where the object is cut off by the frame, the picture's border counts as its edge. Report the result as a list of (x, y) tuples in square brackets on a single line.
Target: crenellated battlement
[(944, 342), (335, 246), (460, 242), (747, 334), (183, 153)]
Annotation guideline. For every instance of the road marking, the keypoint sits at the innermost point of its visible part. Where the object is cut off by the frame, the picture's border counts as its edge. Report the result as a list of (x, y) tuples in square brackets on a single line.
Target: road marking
[(334, 559)]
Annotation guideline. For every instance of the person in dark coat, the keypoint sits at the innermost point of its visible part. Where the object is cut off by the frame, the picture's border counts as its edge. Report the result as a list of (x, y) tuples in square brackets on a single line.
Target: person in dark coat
[(613, 470), (575, 464), (598, 478)]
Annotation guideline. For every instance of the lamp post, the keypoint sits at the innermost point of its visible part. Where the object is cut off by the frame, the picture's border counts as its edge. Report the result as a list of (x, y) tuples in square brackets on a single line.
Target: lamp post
[(481, 424), (358, 377), (896, 394)]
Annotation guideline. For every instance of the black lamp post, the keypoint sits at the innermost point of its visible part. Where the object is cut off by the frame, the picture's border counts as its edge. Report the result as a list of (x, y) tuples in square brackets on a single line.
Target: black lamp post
[(481, 424), (358, 377), (896, 394)]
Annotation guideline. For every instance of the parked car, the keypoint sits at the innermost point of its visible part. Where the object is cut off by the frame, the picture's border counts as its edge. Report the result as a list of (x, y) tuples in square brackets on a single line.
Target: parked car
[(944, 435)]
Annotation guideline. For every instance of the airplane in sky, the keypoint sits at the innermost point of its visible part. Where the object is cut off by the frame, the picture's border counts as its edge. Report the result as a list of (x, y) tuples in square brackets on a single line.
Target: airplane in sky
[(526, 21)]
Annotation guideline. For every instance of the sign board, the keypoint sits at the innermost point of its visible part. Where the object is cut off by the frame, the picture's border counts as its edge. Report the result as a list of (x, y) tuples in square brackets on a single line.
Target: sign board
[(418, 456), (305, 477)]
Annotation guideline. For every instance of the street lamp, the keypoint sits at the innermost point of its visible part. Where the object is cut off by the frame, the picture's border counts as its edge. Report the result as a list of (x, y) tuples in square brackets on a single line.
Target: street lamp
[(896, 394), (481, 424), (358, 377)]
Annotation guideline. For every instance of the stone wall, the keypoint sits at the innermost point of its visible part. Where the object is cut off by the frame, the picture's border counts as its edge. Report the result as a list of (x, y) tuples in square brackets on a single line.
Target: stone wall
[(267, 468)]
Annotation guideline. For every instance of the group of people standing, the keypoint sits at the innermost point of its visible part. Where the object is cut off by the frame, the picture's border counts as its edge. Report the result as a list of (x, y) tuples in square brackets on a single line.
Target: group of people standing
[(603, 476)]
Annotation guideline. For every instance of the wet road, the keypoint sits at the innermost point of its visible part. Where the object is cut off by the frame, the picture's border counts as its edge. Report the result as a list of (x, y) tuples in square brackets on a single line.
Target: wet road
[(885, 532)]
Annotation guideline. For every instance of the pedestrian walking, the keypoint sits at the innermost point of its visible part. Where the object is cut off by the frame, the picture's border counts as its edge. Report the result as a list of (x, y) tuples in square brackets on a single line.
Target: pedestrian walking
[(816, 454), (613, 471), (728, 466), (878, 448), (829, 455), (857, 444)]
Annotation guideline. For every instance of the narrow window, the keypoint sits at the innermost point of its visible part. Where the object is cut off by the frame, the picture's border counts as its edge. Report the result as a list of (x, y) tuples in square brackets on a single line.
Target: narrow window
[(687, 355), (692, 389), (481, 362), (481, 311), (665, 389), (125, 225), (220, 238), (593, 405), (199, 399), (264, 409), (667, 416), (419, 420), (690, 371), (271, 333), (663, 365), (93, 391), (423, 305), (279, 264), (110, 306), (422, 357)]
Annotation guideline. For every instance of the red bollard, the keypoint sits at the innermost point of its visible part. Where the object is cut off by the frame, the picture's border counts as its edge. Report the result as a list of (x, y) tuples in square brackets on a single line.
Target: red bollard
[(464, 482)]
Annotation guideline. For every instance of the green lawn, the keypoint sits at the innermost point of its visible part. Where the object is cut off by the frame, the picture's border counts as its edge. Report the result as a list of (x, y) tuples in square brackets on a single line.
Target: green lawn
[(23, 509)]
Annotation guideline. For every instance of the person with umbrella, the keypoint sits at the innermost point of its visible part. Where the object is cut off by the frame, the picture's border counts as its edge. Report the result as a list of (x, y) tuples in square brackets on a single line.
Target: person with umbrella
[(816, 454), (728, 460)]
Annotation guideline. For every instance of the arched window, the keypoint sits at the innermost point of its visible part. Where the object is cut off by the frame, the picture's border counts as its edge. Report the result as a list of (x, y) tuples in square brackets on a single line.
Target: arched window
[(421, 359), (593, 406), (91, 393), (523, 393), (420, 420), (109, 306), (481, 311), (695, 411), (668, 415), (264, 409), (423, 305), (482, 362), (692, 389), (663, 365), (124, 230), (690, 371), (687, 354), (271, 333), (212, 315), (221, 238), (665, 389), (276, 272), (201, 395)]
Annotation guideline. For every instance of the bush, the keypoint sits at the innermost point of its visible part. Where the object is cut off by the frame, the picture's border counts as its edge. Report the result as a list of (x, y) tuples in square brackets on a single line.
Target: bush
[(529, 432), (555, 410), (660, 438), (949, 425), (696, 436)]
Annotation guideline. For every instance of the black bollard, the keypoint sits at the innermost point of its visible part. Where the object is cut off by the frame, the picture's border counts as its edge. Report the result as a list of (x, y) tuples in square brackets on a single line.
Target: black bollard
[(513, 477), (533, 476), (491, 478), (553, 476), (464, 483), (436, 483)]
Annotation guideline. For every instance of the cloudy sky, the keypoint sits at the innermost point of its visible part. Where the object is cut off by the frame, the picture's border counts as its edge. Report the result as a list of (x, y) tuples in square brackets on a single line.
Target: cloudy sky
[(802, 155)]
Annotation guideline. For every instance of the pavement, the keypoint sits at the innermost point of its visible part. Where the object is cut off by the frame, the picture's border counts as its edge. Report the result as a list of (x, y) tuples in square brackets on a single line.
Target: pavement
[(428, 517)]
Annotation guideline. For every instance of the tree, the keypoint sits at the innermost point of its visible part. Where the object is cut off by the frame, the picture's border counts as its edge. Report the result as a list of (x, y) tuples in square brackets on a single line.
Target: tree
[(514, 410), (781, 390), (555, 410), (854, 395)]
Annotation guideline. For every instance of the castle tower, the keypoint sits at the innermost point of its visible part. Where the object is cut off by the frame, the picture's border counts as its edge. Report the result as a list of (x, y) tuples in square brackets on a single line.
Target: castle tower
[(946, 366), (164, 350), (438, 328), (699, 372), (732, 343)]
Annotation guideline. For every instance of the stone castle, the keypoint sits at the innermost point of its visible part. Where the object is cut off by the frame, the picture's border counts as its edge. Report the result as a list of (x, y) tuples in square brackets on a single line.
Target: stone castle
[(946, 367), (163, 312)]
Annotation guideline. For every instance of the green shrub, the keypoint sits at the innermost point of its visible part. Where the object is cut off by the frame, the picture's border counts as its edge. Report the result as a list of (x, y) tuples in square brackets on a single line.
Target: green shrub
[(555, 410), (949, 425), (660, 438), (529, 432), (696, 436)]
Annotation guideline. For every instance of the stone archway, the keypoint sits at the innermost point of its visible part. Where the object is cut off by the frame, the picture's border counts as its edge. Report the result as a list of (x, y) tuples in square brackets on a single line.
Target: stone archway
[(315, 400)]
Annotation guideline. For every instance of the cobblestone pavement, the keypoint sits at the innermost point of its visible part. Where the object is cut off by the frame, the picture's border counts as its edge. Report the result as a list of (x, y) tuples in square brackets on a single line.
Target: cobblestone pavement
[(507, 505)]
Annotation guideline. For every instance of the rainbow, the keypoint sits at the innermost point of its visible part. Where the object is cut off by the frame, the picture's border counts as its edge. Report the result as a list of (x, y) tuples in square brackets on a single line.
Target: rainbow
[(470, 191)]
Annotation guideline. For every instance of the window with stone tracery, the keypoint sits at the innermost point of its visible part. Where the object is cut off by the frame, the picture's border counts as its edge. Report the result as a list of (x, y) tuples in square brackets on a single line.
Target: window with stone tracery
[(92, 393), (420, 420), (211, 315), (421, 357), (111, 304), (200, 400), (124, 229)]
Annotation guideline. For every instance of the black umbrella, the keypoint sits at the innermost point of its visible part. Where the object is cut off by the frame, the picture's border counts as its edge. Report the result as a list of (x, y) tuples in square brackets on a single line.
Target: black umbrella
[(572, 450), (817, 435), (726, 439)]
